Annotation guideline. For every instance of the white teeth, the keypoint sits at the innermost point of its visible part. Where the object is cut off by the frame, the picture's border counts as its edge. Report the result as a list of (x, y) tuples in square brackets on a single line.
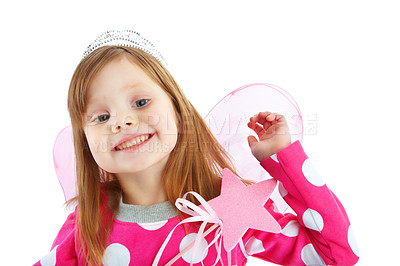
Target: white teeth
[(133, 142)]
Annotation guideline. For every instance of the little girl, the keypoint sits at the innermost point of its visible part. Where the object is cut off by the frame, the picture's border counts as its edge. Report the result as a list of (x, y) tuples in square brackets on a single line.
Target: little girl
[(140, 145)]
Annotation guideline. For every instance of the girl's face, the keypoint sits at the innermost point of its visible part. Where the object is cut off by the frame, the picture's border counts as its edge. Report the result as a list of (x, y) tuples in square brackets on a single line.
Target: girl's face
[(125, 107)]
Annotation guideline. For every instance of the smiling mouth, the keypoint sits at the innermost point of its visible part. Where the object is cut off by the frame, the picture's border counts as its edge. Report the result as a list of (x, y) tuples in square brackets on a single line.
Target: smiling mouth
[(133, 143)]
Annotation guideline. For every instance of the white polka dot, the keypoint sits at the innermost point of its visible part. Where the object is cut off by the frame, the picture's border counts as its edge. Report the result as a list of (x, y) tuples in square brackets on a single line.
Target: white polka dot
[(152, 226), (199, 256), (116, 255), (352, 241), (311, 173), (253, 246), (50, 259), (310, 256), (282, 190), (313, 220), (275, 158), (291, 229)]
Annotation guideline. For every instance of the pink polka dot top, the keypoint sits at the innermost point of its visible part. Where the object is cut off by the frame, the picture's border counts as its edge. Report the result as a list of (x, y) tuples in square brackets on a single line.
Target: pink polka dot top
[(320, 233)]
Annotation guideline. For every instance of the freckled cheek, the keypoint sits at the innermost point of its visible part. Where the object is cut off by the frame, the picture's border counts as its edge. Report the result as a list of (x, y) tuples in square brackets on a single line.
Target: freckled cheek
[(161, 121), (97, 143), (168, 124), (156, 121), (151, 118), (100, 155)]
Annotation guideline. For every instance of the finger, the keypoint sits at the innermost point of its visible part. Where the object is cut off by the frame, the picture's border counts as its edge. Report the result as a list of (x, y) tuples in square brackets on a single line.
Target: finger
[(253, 121), (267, 119), (261, 116), (258, 129), (279, 118), (275, 118), (252, 141), (271, 117)]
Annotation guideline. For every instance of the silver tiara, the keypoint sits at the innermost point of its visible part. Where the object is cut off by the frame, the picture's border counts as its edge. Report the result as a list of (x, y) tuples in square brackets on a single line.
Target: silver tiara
[(124, 38)]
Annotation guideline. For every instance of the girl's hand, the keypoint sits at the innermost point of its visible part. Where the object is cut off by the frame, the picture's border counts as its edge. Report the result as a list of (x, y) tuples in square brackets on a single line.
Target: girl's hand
[(273, 133)]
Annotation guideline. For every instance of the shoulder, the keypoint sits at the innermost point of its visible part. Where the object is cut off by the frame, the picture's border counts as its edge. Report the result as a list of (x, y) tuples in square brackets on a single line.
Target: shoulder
[(67, 231), (71, 220)]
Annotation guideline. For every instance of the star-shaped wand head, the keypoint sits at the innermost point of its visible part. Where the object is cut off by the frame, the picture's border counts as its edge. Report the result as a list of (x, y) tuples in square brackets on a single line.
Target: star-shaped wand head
[(241, 207)]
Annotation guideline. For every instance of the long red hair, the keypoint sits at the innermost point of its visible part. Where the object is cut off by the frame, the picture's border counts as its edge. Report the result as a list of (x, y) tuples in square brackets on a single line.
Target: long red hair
[(195, 164)]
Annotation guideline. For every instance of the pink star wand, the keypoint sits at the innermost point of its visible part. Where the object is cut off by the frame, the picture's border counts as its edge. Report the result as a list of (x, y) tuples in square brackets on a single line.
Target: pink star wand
[(238, 208)]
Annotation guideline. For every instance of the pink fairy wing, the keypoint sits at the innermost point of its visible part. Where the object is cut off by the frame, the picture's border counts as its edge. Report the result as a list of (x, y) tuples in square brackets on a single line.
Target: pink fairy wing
[(64, 162), (228, 122)]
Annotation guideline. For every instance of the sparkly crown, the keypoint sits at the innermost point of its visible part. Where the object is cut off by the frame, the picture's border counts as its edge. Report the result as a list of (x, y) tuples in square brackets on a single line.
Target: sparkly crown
[(124, 38)]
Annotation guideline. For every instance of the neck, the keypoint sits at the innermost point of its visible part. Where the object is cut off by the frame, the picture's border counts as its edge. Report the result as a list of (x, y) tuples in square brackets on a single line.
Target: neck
[(142, 188)]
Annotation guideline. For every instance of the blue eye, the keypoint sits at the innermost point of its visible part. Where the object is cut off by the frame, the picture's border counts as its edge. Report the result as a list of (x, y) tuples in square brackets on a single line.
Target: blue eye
[(102, 118), (141, 102)]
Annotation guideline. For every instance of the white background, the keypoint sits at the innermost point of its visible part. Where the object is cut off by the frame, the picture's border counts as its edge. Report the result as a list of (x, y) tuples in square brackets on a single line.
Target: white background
[(339, 60)]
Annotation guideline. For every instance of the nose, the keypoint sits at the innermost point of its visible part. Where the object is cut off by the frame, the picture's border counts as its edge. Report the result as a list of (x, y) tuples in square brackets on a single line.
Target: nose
[(125, 122)]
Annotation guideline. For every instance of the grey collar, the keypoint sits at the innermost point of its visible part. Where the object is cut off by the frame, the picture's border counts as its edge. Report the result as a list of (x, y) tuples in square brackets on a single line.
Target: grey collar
[(145, 214)]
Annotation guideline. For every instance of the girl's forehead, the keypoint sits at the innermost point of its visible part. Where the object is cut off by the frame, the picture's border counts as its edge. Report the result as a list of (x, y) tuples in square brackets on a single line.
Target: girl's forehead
[(120, 76)]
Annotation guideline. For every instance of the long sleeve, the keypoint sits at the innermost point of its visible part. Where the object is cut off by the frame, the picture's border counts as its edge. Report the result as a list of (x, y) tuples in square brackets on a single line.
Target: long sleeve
[(320, 234), (64, 246)]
